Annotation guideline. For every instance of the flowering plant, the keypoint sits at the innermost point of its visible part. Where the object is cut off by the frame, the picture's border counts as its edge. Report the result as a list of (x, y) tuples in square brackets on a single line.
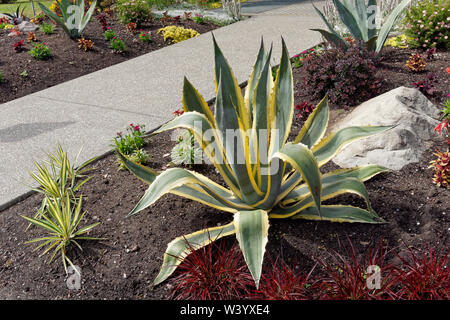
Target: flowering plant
[(18, 46), (428, 23), (145, 36), (131, 144), (177, 34), (109, 34), (298, 59), (117, 45), (40, 51)]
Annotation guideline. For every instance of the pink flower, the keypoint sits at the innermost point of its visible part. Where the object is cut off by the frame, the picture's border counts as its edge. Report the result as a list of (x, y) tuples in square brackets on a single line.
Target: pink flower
[(136, 128)]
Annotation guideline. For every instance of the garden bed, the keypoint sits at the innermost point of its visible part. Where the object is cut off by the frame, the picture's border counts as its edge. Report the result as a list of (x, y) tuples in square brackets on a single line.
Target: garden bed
[(124, 265), (70, 62)]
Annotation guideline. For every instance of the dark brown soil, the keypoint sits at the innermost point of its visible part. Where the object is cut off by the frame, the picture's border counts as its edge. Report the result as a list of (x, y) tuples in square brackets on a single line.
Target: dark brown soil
[(70, 62), (124, 265)]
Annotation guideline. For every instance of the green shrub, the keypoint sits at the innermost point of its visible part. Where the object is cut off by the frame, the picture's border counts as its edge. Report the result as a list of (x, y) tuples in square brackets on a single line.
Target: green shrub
[(137, 11), (47, 28), (117, 45), (131, 144), (40, 51), (109, 34), (428, 24)]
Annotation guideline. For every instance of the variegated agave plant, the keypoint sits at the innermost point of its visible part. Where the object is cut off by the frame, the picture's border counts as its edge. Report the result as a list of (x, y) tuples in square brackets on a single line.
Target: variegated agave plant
[(360, 20), (288, 185)]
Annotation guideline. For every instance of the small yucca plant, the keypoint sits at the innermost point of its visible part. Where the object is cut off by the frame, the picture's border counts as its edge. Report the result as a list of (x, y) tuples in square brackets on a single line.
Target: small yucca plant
[(416, 63), (61, 220), (441, 166), (266, 177)]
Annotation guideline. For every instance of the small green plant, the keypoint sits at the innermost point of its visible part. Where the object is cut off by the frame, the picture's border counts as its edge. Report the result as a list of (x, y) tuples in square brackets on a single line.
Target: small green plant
[(47, 28), (40, 51), (427, 24), (61, 221), (117, 45), (136, 11), (109, 34), (186, 151), (198, 18), (131, 144), (145, 36), (2, 78), (24, 74), (73, 17)]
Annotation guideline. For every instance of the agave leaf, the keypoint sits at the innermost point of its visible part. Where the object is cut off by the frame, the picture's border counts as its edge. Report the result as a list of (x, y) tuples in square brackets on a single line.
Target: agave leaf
[(329, 146), (177, 177), (304, 162), (236, 145), (360, 173), (193, 101), (389, 23), (251, 229), (330, 190), (54, 17), (282, 103), (179, 248), (346, 13), (233, 95), (254, 77), (331, 36), (141, 172), (86, 17), (315, 126), (339, 213)]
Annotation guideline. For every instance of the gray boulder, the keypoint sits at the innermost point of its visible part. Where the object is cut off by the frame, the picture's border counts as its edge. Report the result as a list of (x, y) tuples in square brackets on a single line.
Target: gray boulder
[(27, 26), (414, 117)]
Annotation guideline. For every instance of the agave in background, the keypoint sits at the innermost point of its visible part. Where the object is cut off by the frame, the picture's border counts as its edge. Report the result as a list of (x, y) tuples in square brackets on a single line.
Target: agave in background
[(277, 179), (73, 20), (359, 18)]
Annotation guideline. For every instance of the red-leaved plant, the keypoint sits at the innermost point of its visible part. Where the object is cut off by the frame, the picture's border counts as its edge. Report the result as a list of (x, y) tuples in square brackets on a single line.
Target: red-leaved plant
[(281, 282), (213, 272), (347, 277), (424, 276), (303, 110)]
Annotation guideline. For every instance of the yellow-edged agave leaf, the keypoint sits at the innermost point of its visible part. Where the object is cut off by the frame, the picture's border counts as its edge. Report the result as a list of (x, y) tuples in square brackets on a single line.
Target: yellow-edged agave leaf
[(254, 77), (261, 122), (143, 173), (212, 146), (315, 126), (347, 14), (360, 173), (331, 36), (179, 248), (193, 101), (339, 213), (233, 96), (304, 162), (282, 103), (331, 190), (251, 228), (237, 146), (174, 178), (329, 146)]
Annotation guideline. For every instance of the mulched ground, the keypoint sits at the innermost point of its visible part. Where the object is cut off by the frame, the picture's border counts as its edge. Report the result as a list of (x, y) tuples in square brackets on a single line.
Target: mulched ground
[(124, 265), (70, 62)]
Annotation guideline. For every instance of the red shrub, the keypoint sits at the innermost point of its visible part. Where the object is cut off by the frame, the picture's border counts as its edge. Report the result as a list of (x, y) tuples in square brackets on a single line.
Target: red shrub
[(424, 276), (347, 278), (282, 282), (303, 110), (213, 272)]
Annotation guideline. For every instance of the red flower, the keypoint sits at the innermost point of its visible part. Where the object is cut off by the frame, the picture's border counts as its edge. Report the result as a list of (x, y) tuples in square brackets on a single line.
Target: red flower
[(178, 112), (448, 69), (136, 128), (441, 126)]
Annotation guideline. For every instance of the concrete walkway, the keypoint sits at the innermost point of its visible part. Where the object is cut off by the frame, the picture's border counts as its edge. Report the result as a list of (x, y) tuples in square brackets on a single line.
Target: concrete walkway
[(88, 111)]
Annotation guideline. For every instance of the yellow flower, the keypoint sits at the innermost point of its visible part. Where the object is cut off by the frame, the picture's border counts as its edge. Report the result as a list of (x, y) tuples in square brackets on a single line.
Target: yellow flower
[(8, 26), (177, 34)]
